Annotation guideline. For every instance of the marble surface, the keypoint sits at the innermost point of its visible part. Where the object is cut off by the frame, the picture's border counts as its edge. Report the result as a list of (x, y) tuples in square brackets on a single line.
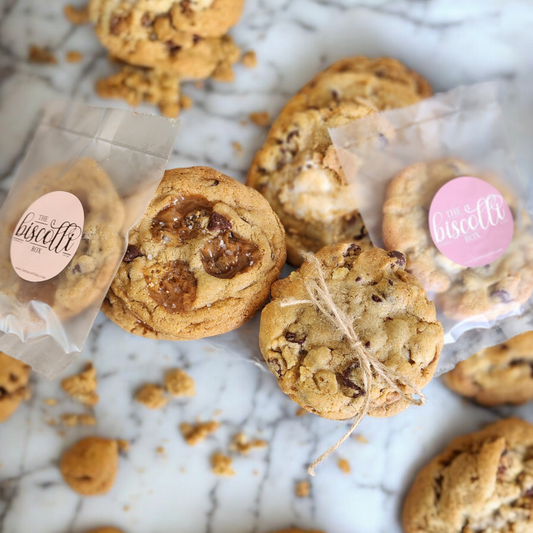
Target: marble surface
[(450, 43)]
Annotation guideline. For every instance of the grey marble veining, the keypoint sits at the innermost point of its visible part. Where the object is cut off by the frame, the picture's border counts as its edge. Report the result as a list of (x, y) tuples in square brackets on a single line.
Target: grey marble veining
[(450, 43)]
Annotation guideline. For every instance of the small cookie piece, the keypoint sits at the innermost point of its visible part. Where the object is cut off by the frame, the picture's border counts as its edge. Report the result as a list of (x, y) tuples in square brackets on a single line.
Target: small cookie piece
[(482, 482), (497, 375), (76, 15), (392, 316), (172, 36), (491, 290), (195, 433), (137, 84), (297, 169), (178, 383), (241, 444), (221, 465), (74, 419), (200, 261), (82, 387), (249, 59), (152, 396), (74, 57), (90, 466), (14, 377), (260, 118), (43, 56), (302, 489)]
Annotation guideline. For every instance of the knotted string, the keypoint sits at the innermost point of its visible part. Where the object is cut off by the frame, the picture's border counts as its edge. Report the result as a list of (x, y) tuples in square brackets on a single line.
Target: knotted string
[(371, 367)]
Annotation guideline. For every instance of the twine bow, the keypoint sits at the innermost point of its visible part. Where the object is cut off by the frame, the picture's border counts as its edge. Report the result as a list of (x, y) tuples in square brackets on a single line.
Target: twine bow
[(371, 367)]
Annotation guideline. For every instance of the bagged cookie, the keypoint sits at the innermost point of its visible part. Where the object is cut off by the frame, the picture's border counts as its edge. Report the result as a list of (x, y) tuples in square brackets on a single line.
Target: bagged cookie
[(442, 187), (87, 178)]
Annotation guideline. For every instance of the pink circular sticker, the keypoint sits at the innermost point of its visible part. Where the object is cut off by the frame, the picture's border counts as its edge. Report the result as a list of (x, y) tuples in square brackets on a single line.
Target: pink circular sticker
[(47, 236), (470, 222)]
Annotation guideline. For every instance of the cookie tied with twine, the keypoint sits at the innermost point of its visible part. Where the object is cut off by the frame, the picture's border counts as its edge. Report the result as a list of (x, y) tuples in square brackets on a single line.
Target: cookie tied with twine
[(351, 334)]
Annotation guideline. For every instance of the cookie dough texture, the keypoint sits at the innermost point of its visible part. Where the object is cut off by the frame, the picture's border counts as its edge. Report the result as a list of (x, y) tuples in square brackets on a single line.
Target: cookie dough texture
[(297, 169), (187, 37), (481, 483), (490, 290), (90, 466), (200, 261), (314, 363), (497, 375), (14, 377)]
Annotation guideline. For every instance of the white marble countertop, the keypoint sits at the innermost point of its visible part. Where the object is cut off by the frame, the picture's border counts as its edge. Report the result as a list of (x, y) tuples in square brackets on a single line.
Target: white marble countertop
[(450, 43)]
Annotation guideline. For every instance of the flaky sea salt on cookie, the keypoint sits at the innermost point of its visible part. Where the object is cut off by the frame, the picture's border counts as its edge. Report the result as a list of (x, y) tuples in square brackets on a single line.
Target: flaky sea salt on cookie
[(200, 261), (384, 311)]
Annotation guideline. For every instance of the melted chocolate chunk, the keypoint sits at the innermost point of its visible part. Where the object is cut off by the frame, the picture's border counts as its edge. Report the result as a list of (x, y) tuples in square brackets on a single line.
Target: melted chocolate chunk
[(172, 47), (131, 253), (346, 379), (376, 298), (400, 258), (275, 366), (3, 392), (146, 20), (352, 250), (218, 222), (115, 25), (291, 337)]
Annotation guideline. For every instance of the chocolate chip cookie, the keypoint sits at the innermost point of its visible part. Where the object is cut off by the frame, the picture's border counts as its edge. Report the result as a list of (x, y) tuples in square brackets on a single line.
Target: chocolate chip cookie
[(14, 377), (497, 375), (90, 466), (482, 482), (186, 37), (392, 317), (200, 261), (297, 169), (491, 290)]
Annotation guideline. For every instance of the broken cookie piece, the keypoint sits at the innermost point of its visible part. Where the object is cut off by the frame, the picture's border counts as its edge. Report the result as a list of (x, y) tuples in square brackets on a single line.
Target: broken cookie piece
[(38, 54), (76, 15), (179, 383), (195, 433), (14, 377), (241, 444), (152, 396), (221, 465), (72, 419), (302, 489), (82, 387)]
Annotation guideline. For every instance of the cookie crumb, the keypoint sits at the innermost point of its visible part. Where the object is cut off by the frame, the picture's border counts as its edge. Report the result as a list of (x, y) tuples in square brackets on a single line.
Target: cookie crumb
[(249, 59), (179, 383), (152, 396), (243, 122), (185, 102), (50, 401), (195, 433), (199, 84), (127, 508), (82, 387), (160, 450), (241, 444), (72, 419), (302, 489), (76, 15), (51, 422), (239, 150), (361, 438), (344, 465), (301, 412), (123, 445), (74, 57), (221, 465), (260, 118), (41, 55)]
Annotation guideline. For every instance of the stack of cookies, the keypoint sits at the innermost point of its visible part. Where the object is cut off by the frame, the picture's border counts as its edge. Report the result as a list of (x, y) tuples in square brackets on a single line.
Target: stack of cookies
[(164, 43)]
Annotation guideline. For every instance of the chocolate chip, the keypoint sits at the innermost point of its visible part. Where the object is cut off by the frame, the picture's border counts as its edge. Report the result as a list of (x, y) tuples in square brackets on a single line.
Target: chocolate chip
[(400, 258), (114, 25), (367, 344), (131, 253), (218, 222), (291, 337), (275, 366), (529, 493), (13, 377), (388, 318), (292, 134), (173, 47), (362, 234), (501, 470), (345, 379), (352, 250), (215, 183), (3, 392), (358, 278), (146, 20), (196, 39), (335, 94), (376, 298), (382, 140), (390, 282), (261, 170), (77, 269), (502, 295)]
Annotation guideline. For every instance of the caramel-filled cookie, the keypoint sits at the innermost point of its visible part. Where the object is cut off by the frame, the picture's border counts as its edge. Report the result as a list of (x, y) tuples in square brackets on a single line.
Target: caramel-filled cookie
[(200, 261), (314, 362), (297, 169), (187, 37), (496, 375), (14, 377), (482, 483), (491, 290)]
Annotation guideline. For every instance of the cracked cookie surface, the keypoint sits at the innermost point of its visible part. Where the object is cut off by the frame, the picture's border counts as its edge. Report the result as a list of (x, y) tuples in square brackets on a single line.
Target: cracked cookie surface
[(297, 169), (496, 375), (481, 483), (14, 378), (315, 364), (463, 292), (200, 261)]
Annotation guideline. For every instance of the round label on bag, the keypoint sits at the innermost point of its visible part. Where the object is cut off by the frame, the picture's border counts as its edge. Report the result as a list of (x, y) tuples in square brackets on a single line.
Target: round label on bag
[(470, 222), (47, 236)]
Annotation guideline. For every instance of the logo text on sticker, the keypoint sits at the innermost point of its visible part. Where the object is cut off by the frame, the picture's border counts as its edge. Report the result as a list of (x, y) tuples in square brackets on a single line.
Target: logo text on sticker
[(470, 222)]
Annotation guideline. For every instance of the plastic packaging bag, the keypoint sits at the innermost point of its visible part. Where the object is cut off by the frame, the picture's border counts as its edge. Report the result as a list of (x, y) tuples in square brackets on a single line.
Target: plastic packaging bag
[(439, 183), (87, 178)]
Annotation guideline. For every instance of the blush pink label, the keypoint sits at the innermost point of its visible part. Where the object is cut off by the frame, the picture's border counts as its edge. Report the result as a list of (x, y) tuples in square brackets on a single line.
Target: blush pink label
[(470, 222), (47, 236)]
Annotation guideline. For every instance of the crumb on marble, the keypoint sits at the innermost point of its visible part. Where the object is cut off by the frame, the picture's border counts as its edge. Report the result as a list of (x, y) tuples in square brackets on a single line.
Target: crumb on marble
[(179, 383), (260, 118), (241, 444), (74, 57), (127, 508), (195, 433), (43, 56), (361, 438), (123, 445), (199, 84), (82, 387), (185, 102), (72, 419), (160, 450), (243, 122), (239, 150), (302, 489), (301, 412), (344, 465), (255, 472), (76, 15), (51, 422), (152, 396), (249, 59), (221, 465), (50, 401)]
